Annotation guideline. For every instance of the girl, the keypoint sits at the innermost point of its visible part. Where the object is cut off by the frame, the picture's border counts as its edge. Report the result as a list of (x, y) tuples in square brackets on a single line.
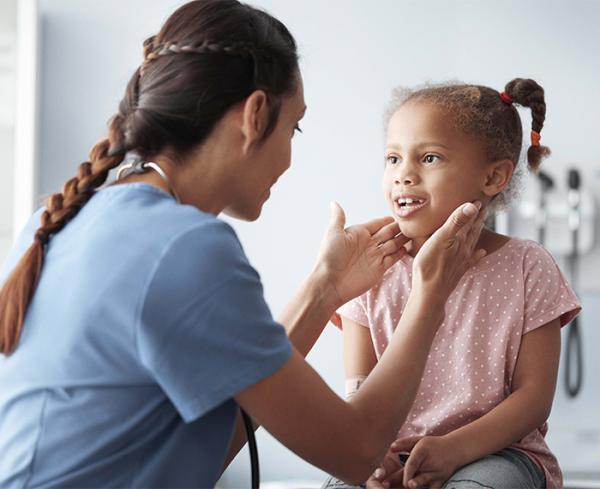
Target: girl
[(480, 413)]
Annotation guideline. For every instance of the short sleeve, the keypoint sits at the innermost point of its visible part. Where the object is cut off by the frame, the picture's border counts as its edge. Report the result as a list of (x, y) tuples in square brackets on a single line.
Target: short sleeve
[(205, 332), (354, 310), (548, 295)]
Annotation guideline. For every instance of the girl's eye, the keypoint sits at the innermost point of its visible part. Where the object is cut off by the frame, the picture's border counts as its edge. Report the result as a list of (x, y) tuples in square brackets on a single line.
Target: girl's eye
[(392, 160), (431, 158)]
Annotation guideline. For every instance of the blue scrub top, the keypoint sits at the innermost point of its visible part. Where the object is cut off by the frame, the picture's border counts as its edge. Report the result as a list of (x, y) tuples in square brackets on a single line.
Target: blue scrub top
[(146, 321)]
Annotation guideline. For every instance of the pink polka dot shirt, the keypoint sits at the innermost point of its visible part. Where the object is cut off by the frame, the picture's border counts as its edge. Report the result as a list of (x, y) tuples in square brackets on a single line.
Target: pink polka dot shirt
[(509, 293)]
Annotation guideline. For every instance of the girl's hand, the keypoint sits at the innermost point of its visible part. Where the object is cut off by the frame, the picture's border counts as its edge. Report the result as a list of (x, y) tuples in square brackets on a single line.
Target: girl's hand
[(450, 251), (432, 461), (389, 473), (354, 259)]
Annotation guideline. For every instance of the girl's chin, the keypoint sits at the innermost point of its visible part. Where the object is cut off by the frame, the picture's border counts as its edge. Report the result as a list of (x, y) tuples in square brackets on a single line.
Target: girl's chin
[(413, 232)]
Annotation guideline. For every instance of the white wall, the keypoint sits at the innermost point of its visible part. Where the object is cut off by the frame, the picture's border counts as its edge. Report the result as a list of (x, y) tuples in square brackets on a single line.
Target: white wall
[(353, 53), (8, 23)]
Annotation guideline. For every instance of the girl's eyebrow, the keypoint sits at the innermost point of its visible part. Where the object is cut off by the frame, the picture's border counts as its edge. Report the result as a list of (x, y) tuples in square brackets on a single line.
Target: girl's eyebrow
[(420, 145)]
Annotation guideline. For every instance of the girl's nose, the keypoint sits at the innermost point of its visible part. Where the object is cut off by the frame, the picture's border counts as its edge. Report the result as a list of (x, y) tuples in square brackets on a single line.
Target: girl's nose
[(406, 175), (407, 180)]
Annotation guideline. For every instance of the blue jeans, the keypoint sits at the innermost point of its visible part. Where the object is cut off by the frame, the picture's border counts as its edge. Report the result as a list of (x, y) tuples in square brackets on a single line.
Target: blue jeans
[(506, 469)]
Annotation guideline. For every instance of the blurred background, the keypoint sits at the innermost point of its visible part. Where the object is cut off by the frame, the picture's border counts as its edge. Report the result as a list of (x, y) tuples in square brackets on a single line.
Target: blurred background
[(64, 65)]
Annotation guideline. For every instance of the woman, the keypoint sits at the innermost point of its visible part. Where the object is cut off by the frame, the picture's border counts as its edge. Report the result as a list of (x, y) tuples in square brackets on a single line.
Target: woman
[(131, 323)]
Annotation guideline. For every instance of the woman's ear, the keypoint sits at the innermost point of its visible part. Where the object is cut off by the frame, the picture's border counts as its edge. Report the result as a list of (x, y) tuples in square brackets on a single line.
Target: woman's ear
[(498, 177), (255, 118)]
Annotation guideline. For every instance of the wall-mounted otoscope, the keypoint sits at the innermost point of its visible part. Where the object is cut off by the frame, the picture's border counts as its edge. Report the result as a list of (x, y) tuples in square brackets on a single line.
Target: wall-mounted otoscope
[(546, 184), (574, 354)]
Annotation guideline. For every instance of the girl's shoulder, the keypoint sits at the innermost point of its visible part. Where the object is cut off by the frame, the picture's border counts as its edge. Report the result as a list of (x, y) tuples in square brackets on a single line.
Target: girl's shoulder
[(509, 252)]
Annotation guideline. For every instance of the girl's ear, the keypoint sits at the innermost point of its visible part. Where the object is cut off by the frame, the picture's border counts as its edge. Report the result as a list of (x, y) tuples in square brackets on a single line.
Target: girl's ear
[(498, 177), (255, 118)]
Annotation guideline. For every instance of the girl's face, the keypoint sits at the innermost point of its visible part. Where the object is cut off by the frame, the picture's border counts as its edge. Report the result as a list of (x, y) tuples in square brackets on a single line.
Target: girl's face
[(430, 168)]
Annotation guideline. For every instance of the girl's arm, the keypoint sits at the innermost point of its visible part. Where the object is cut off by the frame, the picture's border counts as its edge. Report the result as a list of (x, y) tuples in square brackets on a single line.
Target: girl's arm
[(359, 355), (529, 404), (525, 409)]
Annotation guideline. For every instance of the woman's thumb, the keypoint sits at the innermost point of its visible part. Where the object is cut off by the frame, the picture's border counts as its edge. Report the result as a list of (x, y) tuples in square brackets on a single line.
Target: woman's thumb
[(462, 215), (338, 217)]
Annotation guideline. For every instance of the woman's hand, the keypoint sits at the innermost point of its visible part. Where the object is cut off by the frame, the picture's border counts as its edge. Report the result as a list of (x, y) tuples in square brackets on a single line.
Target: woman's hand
[(354, 259), (450, 251)]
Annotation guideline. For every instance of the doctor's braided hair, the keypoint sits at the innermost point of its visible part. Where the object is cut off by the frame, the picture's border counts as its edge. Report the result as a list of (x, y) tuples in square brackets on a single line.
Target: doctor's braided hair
[(491, 118), (208, 56)]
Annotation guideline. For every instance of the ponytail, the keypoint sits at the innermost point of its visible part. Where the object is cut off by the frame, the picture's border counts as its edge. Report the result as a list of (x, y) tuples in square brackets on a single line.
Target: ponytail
[(529, 93), (20, 285)]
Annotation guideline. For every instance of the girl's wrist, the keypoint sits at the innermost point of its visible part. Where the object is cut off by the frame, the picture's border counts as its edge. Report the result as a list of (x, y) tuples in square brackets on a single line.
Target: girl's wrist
[(460, 448)]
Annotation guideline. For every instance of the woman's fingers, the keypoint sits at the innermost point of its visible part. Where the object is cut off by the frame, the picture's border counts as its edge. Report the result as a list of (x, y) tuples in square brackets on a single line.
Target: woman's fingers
[(474, 231), (473, 238), (478, 255), (392, 245), (389, 260), (377, 224), (387, 232), (460, 218), (393, 250)]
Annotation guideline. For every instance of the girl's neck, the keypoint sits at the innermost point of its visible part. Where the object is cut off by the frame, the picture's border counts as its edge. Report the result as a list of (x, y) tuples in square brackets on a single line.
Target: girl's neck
[(489, 240)]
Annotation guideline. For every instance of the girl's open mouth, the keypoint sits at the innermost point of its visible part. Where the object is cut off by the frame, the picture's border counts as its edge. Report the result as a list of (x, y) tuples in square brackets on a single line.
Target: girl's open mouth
[(405, 207)]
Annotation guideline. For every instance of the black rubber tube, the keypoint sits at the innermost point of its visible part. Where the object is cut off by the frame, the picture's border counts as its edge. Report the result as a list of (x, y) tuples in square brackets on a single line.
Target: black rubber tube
[(253, 450)]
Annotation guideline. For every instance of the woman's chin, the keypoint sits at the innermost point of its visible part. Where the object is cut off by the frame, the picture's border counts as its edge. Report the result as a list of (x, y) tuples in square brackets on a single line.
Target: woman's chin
[(244, 213)]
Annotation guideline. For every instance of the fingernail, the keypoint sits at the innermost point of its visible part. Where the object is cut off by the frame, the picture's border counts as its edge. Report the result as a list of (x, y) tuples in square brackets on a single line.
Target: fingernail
[(470, 210), (478, 204), (379, 473)]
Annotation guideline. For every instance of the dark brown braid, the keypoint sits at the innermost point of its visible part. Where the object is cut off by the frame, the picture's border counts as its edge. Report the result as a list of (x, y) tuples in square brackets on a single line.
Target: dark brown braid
[(20, 285), (60, 209), (171, 104), (528, 93)]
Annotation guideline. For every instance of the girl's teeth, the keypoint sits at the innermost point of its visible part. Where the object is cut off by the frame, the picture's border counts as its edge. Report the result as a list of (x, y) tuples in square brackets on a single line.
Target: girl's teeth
[(409, 201)]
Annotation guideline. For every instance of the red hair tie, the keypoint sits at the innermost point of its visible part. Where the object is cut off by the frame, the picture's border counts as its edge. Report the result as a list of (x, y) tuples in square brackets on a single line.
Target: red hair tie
[(506, 98), (535, 138)]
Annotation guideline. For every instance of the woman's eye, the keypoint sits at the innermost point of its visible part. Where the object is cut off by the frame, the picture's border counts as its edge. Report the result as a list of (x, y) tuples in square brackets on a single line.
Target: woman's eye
[(431, 158), (297, 128), (392, 160)]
